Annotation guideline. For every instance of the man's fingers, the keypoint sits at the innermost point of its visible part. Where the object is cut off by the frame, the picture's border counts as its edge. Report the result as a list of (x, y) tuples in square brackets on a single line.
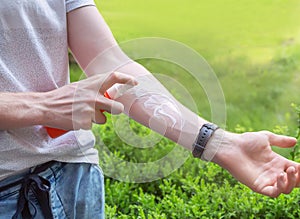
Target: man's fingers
[(291, 179), (114, 78), (280, 186), (286, 181), (298, 176), (271, 191), (108, 105), (280, 140), (104, 104), (99, 117)]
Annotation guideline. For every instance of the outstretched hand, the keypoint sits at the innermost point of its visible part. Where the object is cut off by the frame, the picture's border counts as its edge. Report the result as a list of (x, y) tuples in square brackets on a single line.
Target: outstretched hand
[(250, 159)]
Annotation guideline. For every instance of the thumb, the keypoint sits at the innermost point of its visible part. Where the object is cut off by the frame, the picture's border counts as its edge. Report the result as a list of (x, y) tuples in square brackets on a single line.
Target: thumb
[(280, 140)]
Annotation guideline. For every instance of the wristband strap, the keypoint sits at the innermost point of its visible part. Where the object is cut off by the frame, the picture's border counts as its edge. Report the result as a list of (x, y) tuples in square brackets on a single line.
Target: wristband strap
[(205, 133)]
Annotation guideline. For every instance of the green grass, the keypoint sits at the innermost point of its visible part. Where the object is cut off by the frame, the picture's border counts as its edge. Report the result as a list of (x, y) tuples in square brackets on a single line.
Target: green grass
[(254, 48)]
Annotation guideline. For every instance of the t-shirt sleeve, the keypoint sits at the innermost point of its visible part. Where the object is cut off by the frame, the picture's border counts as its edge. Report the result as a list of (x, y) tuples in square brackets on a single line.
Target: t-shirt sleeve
[(74, 4)]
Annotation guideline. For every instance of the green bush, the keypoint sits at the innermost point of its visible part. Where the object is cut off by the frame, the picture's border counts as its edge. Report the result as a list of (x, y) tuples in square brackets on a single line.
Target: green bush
[(195, 190)]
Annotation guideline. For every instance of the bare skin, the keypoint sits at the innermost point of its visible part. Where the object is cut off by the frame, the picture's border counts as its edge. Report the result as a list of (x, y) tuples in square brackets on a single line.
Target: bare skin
[(250, 159)]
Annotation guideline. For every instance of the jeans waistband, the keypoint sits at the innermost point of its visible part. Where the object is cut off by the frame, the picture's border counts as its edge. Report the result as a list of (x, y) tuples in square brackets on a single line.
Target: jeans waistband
[(16, 180), (31, 180)]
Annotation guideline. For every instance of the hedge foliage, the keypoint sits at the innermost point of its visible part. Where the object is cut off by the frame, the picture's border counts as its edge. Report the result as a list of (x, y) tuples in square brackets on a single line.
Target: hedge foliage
[(195, 190)]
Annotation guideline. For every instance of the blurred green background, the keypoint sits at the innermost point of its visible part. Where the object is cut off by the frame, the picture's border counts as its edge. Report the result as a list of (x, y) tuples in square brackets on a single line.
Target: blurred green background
[(254, 48)]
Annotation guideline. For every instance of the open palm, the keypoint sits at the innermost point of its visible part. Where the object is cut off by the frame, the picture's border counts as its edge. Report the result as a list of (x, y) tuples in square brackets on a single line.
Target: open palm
[(250, 159)]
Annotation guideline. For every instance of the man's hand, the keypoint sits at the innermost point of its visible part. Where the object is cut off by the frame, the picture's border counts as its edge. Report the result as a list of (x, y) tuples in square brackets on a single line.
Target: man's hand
[(78, 105), (250, 159)]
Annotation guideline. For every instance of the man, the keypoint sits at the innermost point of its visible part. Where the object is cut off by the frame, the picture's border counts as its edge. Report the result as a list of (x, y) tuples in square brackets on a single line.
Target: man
[(46, 177)]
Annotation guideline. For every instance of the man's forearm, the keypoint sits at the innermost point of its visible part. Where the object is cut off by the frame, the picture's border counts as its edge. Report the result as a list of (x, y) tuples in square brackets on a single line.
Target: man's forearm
[(152, 105), (19, 110)]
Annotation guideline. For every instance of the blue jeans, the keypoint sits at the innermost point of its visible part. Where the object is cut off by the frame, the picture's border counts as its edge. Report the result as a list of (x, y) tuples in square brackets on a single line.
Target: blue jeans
[(75, 191)]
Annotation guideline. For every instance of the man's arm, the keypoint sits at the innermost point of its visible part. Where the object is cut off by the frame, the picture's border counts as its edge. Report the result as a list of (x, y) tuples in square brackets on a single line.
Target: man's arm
[(58, 108), (20, 110), (248, 157)]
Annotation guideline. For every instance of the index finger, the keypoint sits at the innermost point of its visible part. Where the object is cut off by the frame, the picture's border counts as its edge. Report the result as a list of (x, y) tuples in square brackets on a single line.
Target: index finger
[(114, 78)]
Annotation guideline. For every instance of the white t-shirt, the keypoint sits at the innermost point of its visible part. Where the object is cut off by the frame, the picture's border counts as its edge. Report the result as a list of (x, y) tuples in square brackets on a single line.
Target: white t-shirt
[(34, 57)]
